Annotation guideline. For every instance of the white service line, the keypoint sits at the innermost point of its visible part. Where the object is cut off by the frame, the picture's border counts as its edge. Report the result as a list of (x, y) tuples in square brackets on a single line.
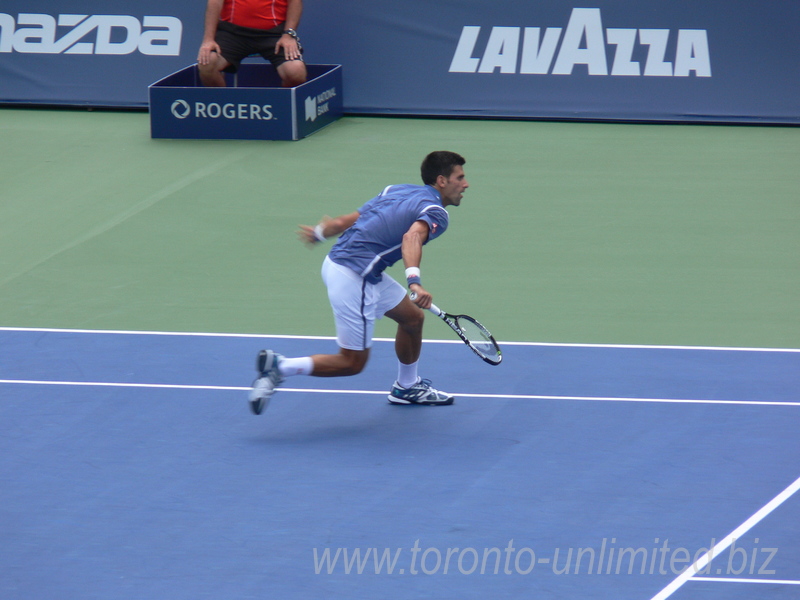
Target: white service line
[(173, 386), (737, 533)]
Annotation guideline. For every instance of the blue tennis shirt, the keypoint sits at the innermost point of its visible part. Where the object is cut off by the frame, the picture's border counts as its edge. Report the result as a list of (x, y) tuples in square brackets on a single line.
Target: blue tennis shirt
[(374, 241)]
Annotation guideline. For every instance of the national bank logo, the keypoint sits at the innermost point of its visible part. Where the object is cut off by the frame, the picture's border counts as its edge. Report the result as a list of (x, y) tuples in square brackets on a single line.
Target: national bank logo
[(319, 104), (537, 51), (90, 34)]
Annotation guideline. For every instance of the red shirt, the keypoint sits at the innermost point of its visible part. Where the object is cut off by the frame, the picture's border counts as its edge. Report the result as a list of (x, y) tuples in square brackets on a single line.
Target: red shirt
[(257, 14)]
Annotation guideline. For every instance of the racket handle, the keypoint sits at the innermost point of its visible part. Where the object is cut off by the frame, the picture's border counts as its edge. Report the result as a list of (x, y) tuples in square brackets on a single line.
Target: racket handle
[(436, 310), (433, 308)]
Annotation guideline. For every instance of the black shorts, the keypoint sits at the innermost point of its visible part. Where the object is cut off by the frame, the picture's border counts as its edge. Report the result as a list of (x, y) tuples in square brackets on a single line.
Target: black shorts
[(237, 43)]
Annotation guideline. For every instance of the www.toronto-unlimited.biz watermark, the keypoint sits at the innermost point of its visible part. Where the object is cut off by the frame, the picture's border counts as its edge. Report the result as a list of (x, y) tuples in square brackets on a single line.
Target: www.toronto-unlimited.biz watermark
[(609, 558)]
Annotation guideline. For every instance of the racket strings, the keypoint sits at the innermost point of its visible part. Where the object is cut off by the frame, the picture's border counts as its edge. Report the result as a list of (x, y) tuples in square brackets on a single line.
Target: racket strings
[(478, 337)]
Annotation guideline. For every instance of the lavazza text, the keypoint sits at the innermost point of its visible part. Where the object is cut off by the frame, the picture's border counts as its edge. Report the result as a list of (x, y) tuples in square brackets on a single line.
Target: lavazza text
[(583, 43)]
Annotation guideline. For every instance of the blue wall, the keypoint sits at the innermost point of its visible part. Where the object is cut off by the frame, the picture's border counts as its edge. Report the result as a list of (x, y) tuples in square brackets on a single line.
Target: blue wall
[(622, 59)]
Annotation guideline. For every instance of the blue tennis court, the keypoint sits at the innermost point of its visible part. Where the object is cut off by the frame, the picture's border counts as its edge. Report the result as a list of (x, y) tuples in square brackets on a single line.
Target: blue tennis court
[(650, 453), (132, 467)]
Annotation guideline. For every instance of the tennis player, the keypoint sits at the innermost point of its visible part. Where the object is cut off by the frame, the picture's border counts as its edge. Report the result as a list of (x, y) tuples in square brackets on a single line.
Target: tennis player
[(395, 224)]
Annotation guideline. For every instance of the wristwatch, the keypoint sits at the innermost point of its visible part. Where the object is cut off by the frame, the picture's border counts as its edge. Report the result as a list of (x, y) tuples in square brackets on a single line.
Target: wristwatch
[(290, 32)]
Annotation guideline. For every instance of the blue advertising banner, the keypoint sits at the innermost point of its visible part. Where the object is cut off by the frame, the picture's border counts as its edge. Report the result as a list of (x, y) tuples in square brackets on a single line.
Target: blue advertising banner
[(671, 60), (92, 52), (635, 60)]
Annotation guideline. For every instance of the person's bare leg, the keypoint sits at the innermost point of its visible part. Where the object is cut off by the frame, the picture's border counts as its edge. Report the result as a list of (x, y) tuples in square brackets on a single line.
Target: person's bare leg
[(408, 341), (409, 388), (211, 74), (293, 73), (346, 363)]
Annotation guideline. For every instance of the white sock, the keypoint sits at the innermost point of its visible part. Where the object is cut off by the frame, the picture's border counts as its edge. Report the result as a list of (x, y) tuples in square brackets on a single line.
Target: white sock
[(407, 374), (296, 366)]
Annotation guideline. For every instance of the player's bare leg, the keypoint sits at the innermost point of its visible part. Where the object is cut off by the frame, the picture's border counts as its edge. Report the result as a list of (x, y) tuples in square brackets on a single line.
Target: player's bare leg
[(346, 363), (408, 341), (273, 368), (408, 347)]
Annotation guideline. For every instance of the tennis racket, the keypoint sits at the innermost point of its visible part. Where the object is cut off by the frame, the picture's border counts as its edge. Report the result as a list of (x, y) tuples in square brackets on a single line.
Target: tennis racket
[(474, 335)]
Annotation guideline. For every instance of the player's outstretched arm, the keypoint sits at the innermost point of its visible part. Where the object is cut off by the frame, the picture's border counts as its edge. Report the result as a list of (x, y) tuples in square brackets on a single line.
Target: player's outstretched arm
[(326, 228)]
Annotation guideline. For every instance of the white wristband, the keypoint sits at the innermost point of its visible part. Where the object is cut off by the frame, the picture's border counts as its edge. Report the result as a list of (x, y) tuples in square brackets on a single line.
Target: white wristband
[(412, 276), (318, 233)]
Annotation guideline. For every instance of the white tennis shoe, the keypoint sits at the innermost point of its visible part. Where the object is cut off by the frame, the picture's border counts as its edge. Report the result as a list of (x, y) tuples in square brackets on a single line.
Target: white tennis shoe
[(263, 387), (420, 393)]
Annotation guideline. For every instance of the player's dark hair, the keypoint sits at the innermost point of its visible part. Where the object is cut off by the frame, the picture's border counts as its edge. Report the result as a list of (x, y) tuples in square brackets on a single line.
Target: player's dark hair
[(440, 162)]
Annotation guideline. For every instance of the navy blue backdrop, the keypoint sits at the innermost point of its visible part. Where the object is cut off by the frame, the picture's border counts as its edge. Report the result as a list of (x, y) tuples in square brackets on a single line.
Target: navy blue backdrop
[(667, 60)]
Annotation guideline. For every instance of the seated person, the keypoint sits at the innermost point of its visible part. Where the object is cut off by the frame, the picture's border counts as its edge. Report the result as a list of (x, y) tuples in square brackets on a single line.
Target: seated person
[(235, 29)]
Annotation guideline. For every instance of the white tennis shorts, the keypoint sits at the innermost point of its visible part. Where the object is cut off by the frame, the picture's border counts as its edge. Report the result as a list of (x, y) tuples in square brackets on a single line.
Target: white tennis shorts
[(357, 304)]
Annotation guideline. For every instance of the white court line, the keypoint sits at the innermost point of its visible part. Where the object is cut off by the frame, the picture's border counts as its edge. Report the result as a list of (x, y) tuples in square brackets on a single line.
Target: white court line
[(164, 386), (737, 533), (171, 386), (391, 340), (734, 580)]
